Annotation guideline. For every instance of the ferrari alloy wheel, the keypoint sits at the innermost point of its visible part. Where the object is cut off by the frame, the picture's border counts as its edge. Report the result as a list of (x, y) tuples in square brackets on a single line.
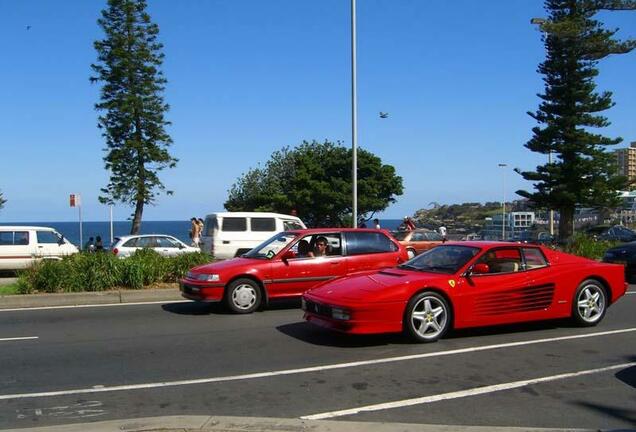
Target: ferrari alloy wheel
[(410, 253), (243, 296), (590, 303), (427, 317)]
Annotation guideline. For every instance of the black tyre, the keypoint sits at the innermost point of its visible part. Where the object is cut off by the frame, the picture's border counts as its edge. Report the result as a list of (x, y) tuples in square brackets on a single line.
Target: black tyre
[(590, 303), (243, 296), (427, 317)]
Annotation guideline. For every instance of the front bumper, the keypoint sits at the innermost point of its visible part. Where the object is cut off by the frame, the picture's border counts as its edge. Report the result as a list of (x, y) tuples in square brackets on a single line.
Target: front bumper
[(201, 292)]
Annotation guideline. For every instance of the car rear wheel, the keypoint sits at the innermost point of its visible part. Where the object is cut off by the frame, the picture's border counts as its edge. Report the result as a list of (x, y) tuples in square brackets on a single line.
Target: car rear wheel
[(427, 317), (243, 296), (411, 253), (590, 303)]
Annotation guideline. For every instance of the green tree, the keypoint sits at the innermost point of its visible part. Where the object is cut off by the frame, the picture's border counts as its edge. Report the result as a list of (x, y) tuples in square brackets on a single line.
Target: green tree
[(315, 180), (583, 173), (133, 124), (2, 200)]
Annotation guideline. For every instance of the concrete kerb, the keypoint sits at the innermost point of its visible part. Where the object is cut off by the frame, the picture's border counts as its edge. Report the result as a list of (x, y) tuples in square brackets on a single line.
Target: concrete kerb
[(259, 424), (89, 298)]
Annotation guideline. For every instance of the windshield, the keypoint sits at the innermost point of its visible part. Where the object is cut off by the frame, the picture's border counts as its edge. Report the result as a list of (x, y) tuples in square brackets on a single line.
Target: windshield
[(269, 248), (442, 259)]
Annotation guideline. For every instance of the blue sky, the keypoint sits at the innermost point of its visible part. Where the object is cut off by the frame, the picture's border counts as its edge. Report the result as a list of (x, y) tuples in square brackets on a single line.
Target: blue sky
[(247, 77)]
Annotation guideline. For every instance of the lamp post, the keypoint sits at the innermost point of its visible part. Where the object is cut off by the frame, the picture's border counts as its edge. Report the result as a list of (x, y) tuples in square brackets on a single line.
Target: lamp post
[(539, 22), (503, 202), (354, 118)]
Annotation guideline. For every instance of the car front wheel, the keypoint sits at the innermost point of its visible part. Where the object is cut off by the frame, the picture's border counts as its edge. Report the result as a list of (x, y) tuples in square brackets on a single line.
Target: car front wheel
[(590, 303), (243, 296), (427, 317)]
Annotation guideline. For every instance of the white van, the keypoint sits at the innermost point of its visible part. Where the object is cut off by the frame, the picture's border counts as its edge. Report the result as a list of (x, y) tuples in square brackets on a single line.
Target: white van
[(230, 234), (21, 246)]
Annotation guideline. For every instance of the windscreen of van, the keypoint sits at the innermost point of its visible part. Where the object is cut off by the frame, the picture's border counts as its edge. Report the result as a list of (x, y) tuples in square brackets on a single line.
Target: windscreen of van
[(234, 224), (291, 225), (263, 224)]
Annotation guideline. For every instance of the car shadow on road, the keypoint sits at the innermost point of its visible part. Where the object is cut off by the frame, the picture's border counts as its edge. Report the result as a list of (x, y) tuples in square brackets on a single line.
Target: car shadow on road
[(195, 308), (314, 335), (509, 329)]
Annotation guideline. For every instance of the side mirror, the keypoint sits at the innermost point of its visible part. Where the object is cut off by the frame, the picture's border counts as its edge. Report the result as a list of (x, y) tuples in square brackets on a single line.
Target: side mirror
[(480, 268), (182, 246), (288, 255)]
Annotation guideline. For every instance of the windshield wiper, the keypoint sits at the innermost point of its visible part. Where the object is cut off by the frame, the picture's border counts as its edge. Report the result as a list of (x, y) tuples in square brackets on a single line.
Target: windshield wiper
[(407, 266)]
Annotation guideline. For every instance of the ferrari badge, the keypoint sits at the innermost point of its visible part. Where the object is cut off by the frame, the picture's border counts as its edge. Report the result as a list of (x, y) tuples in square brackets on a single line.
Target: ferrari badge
[(451, 282)]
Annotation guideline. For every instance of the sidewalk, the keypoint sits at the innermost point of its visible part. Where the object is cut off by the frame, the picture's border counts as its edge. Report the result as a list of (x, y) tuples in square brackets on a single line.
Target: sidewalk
[(260, 424), (90, 298)]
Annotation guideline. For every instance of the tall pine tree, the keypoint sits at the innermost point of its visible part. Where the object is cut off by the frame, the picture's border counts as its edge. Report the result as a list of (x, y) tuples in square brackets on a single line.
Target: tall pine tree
[(133, 124), (582, 172)]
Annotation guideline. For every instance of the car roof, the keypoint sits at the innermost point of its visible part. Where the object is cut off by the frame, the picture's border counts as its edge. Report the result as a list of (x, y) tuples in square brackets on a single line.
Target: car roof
[(335, 230), (25, 227), (488, 244), (251, 214), (126, 237)]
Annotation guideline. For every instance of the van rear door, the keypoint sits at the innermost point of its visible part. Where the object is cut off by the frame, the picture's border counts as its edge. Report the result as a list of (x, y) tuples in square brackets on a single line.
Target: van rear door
[(210, 228)]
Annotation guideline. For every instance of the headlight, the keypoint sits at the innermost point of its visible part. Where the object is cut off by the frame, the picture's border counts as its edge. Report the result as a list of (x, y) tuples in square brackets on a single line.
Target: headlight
[(208, 277), (340, 314)]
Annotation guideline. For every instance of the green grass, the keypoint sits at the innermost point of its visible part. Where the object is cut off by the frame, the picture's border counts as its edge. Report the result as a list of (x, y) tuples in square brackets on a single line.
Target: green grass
[(9, 289)]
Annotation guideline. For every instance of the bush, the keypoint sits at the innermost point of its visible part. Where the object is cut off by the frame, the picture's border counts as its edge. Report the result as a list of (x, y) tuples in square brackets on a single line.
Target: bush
[(588, 247), (104, 271)]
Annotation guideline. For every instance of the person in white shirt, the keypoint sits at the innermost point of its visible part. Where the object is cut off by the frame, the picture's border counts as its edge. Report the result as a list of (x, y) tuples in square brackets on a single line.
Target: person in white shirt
[(376, 222), (442, 231)]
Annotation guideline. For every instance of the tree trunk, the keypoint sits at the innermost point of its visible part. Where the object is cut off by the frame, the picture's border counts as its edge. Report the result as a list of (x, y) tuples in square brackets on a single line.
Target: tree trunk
[(566, 223), (136, 223)]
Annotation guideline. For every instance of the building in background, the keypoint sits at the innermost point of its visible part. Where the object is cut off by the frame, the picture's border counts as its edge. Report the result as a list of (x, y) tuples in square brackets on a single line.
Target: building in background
[(626, 161), (517, 225)]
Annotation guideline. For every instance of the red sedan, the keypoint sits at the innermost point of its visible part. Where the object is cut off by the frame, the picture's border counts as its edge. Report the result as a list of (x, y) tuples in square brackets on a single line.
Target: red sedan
[(468, 284), (290, 263)]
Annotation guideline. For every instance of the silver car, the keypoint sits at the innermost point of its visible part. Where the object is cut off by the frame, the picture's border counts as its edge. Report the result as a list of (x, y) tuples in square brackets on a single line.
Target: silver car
[(162, 244)]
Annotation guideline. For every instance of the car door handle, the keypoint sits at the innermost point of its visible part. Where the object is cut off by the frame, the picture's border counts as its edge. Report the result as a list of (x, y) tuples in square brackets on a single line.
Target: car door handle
[(226, 242)]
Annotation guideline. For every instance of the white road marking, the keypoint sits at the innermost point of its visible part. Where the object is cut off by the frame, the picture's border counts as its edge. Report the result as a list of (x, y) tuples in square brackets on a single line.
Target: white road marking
[(630, 292), (94, 305), (462, 393), (257, 375), (18, 338)]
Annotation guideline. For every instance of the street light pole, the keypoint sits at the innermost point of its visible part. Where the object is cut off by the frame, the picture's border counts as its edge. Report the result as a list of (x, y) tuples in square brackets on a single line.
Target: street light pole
[(354, 117), (503, 202)]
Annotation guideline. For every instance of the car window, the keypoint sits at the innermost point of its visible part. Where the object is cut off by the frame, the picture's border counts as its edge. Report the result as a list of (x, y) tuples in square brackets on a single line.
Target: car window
[(401, 235), (368, 243), (47, 237), (442, 259), (505, 260), (234, 224), (534, 258), (271, 247), (131, 243), (418, 237), (165, 242), (10, 238), (433, 236), (263, 224), (145, 242), (291, 225)]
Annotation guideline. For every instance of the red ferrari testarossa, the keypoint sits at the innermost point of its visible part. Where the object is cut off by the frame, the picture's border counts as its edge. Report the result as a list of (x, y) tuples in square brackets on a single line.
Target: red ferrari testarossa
[(468, 284)]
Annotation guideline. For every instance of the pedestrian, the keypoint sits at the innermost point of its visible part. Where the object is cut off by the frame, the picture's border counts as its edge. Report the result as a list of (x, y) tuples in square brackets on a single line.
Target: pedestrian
[(99, 245), (90, 245), (195, 232), (376, 223), (409, 225), (201, 223), (442, 231), (362, 225)]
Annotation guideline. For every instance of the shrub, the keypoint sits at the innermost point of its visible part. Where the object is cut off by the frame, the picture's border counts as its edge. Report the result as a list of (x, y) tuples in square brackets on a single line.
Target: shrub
[(588, 247), (103, 271)]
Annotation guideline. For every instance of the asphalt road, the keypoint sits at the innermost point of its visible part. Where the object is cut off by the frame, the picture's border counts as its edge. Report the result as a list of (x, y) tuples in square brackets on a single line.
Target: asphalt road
[(77, 365)]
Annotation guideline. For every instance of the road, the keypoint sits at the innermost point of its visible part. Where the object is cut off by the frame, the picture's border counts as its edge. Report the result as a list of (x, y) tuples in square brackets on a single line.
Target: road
[(75, 365)]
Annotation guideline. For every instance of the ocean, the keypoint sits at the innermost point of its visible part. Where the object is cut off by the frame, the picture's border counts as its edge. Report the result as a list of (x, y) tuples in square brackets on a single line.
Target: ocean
[(178, 229)]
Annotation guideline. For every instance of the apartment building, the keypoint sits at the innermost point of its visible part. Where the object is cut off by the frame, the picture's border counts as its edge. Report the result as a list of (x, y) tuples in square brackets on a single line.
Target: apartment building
[(626, 160)]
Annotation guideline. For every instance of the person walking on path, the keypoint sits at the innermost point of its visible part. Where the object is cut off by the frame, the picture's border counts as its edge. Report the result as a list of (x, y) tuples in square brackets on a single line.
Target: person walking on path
[(442, 231), (376, 223), (195, 232)]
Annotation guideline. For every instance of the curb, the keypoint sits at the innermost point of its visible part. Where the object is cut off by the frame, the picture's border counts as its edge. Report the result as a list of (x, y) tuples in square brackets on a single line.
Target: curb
[(261, 424), (89, 298)]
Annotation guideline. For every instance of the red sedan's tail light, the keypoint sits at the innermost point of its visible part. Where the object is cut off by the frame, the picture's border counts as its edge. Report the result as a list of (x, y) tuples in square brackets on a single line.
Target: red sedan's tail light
[(115, 251)]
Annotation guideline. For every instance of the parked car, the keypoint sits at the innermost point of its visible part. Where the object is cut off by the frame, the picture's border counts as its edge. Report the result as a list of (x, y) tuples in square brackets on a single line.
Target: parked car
[(278, 268), (468, 284), (612, 233), (231, 234), (22, 246), (164, 245), (625, 255), (418, 240)]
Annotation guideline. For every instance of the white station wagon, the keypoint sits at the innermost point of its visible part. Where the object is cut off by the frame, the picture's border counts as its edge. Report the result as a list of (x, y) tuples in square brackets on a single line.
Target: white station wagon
[(21, 246), (163, 244)]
